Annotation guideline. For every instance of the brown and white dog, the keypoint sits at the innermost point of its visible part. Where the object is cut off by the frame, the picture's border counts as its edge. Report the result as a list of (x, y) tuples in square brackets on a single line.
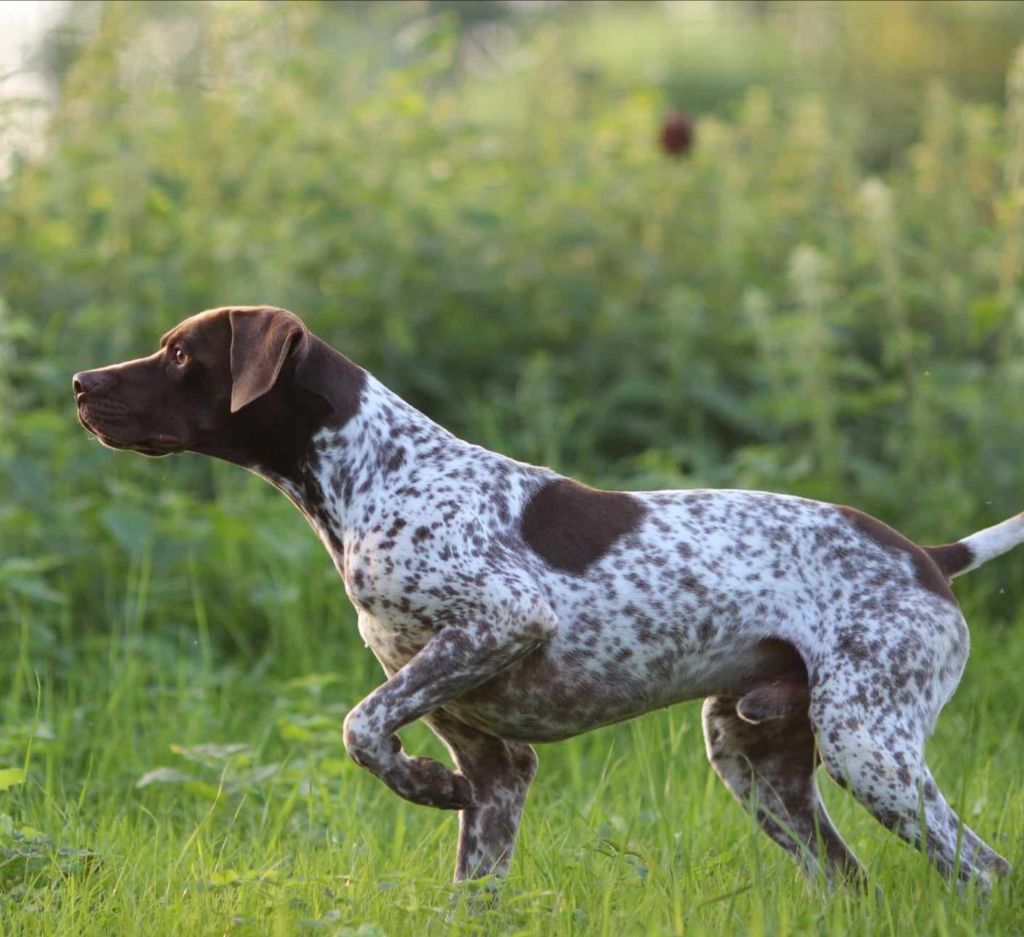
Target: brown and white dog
[(509, 605)]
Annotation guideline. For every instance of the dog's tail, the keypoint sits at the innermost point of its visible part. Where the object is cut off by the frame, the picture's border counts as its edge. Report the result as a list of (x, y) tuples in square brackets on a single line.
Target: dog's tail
[(967, 554)]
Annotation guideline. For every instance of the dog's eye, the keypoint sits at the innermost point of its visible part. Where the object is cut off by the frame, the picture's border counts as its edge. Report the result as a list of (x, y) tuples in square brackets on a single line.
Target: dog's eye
[(180, 355)]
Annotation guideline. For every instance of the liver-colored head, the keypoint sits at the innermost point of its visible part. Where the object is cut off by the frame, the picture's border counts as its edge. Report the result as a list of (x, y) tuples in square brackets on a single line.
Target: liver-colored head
[(247, 384)]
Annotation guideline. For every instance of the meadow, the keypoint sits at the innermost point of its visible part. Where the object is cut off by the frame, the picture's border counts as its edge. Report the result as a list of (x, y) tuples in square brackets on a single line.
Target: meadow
[(822, 296)]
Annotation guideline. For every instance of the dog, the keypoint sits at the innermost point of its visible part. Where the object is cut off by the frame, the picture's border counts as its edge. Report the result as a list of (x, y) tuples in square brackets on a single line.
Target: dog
[(509, 605)]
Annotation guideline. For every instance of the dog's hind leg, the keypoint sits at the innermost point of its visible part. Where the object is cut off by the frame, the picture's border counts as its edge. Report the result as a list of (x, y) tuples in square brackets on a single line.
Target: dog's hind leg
[(872, 709), (880, 760), (769, 768), (500, 774)]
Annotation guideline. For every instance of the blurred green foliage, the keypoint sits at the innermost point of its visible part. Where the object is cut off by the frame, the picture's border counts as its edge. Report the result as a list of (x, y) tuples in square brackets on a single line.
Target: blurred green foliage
[(823, 298)]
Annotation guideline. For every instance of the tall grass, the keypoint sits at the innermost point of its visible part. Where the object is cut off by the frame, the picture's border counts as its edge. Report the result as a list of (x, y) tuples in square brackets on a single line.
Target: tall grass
[(170, 794)]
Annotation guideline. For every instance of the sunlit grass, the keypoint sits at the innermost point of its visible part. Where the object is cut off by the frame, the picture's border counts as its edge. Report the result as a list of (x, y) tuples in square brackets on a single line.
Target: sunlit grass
[(250, 819)]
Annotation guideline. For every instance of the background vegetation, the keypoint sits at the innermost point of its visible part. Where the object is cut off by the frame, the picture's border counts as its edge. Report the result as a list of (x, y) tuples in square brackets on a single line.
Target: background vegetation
[(823, 296)]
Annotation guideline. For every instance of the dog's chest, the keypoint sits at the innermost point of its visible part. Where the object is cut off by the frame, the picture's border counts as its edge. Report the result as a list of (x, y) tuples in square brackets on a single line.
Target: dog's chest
[(391, 585), (406, 577), (389, 594), (393, 643)]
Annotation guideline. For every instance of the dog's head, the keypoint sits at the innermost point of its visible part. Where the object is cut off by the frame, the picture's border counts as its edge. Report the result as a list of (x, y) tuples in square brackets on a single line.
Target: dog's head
[(247, 384)]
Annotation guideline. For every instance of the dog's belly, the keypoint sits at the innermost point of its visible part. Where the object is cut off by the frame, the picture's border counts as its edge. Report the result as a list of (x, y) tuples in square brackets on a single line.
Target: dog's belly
[(551, 694), (620, 649), (626, 645)]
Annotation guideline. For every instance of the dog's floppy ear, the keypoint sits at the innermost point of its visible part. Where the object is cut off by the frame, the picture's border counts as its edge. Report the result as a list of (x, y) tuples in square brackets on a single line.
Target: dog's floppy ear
[(261, 340)]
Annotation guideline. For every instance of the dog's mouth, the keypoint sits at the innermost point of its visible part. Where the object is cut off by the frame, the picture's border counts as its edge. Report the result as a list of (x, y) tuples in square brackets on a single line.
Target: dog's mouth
[(153, 446)]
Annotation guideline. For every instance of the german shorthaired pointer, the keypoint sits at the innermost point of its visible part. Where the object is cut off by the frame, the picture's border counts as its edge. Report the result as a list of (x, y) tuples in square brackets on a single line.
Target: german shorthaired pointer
[(509, 605)]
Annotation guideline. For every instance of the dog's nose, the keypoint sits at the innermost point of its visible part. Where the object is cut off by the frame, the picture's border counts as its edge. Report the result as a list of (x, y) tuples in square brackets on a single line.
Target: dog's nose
[(90, 382)]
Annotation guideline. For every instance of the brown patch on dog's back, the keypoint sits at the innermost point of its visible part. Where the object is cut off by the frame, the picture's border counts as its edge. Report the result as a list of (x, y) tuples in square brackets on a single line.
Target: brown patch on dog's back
[(572, 526), (929, 574)]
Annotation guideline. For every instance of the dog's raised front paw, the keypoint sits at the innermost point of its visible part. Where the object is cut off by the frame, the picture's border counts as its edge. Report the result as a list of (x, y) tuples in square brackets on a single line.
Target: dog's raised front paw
[(431, 784)]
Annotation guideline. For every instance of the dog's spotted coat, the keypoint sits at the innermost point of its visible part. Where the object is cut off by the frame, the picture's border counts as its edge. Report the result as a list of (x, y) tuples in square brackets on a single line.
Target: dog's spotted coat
[(509, 605)]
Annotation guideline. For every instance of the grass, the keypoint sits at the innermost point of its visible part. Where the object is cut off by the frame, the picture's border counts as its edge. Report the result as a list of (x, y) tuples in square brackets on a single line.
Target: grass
[(170, 791)]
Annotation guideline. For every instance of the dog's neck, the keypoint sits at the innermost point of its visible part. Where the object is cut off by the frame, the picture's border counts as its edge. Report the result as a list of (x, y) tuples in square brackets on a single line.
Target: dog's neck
[(383, 445)]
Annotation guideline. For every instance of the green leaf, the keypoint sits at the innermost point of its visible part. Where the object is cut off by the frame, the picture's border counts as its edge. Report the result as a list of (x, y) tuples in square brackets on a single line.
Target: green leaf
[(163, 776), (203, 789), (241, 876), (132, 529), (211, 754), (314, 682), (11, 777)]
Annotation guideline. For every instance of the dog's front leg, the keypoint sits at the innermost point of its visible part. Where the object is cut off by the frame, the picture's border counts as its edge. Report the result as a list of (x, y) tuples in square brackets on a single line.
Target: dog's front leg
[(456, 660), (500, 773)]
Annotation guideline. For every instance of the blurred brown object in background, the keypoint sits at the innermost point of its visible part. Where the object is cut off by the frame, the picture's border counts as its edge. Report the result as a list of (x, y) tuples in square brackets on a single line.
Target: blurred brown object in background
[(676, 133)]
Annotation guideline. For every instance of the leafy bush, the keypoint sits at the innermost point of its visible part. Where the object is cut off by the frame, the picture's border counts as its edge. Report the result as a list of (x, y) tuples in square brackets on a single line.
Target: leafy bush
[(515, 255)]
